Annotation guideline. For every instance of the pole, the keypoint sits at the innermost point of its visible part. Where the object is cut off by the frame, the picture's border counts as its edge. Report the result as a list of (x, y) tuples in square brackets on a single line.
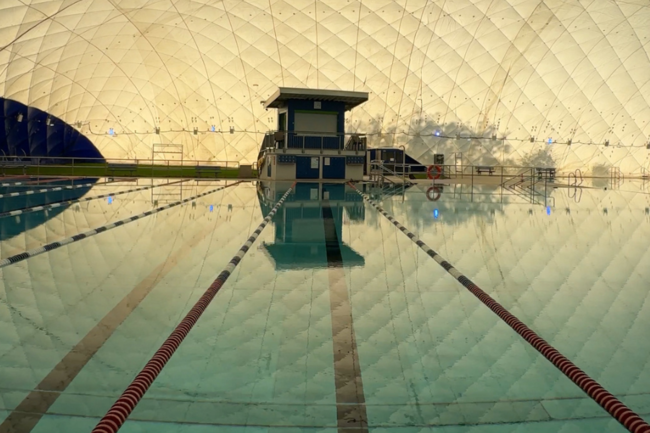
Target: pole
[(472, 190), (403, 163)]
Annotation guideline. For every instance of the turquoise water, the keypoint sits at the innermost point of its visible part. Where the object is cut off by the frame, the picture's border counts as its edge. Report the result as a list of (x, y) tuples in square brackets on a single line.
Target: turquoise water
[(431, 357)]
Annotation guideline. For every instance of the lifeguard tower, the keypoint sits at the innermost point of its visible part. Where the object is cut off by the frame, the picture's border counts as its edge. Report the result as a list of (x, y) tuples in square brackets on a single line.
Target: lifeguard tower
[(310, 141)]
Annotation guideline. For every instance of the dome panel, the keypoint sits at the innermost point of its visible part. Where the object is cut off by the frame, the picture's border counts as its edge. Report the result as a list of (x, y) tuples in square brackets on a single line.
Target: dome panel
[(514, 68)]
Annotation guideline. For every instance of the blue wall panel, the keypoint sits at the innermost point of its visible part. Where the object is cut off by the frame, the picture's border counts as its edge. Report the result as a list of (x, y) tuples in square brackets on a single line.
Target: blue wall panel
[(335, 169), (304, 169)]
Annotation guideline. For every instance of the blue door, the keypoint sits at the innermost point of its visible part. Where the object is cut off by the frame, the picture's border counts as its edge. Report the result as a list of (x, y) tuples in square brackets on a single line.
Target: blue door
[(307, 167), (333, 167)]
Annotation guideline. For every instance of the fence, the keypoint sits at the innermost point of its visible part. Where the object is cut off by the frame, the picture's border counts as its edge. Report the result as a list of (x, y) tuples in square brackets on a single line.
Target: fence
[(70, 166)]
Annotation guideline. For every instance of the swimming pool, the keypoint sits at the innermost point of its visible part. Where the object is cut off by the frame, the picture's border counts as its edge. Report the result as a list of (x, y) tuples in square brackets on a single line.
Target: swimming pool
[(333, 320)]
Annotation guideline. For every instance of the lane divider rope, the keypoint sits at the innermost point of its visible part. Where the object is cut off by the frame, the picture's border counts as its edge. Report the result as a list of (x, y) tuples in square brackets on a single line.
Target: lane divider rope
[(58, 188), (4, 178), (54, 245), (122, 408), (624, 415), (12, 184), (36, 182), (69, 202), (42, 180)]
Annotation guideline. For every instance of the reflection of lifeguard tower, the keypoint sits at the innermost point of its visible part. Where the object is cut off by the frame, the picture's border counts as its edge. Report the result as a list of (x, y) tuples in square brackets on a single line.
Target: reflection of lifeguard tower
[(310, 142), (297, 245)]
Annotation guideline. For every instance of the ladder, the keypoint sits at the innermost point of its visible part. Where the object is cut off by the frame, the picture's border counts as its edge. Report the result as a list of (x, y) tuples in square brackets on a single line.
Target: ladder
[(458, 162), (166, 194)]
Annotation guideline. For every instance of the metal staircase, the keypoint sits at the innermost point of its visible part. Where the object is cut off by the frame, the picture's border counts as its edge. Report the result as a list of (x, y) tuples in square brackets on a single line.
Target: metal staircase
[(458, 163), (524, 184), (381, 191), (381, 174), (165, 194)]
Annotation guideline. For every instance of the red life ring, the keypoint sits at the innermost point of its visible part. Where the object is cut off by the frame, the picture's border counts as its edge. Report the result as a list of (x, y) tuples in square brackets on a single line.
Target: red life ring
[(438, 171), (434, 193)]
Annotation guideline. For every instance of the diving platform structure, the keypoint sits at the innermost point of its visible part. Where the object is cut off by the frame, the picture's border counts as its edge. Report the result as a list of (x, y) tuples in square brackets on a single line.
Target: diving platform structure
[(310, 142)]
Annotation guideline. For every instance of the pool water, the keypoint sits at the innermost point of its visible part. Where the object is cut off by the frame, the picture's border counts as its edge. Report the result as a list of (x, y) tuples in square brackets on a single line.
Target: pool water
[(334, 320)]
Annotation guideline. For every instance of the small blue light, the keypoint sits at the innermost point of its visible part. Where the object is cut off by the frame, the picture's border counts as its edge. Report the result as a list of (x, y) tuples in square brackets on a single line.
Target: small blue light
[(213, 128), (211, 208), (548, 210), (111, 132), (550, 141), (437, 133), (436, 213), (110, 200)]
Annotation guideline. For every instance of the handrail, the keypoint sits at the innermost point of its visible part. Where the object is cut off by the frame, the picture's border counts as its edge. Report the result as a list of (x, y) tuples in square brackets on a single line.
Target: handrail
[(310, 140), (519, 177), (316, 133), (517, 187), (513, 169), (379, 164)]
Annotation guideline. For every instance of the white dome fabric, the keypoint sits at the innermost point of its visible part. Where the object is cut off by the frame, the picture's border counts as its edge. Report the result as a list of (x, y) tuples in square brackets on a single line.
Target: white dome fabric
[(514, 69)]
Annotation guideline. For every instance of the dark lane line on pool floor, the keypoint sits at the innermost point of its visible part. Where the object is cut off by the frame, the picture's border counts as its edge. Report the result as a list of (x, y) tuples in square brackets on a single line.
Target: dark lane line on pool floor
[(13, 180), (350, 400), (623, 414), (28, 413)]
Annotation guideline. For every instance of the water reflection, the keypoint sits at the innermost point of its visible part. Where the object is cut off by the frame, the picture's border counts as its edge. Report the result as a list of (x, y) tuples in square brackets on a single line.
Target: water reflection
[(299, 241), (11, 226)]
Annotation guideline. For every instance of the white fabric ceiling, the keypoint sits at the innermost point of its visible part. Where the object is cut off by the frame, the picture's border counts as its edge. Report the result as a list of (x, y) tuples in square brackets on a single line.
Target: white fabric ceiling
[(576, 70)]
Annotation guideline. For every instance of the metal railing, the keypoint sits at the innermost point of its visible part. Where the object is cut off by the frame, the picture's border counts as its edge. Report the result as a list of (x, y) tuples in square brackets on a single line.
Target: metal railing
[(41, 166), (616, 177), (520, 181), (524, 185), (316, 141), (379, 169), (502, 173)]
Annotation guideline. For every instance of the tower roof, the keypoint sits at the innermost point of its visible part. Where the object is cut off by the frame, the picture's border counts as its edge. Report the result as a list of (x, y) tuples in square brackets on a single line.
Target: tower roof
[(283, 94)]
